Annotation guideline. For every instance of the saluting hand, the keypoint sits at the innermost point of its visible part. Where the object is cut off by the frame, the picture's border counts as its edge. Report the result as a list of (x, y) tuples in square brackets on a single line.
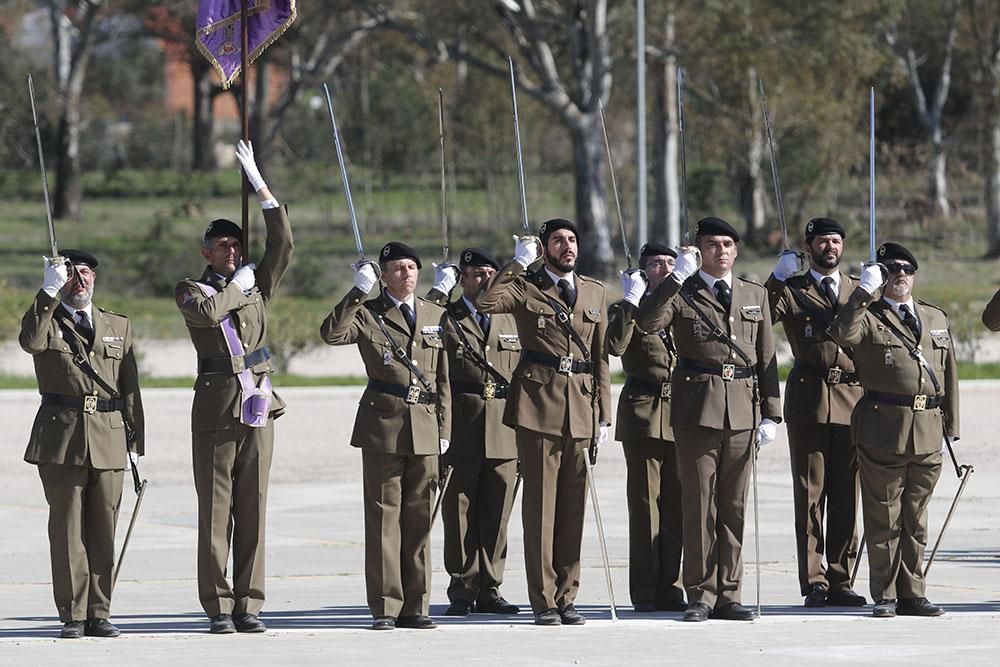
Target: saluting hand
[(789, 263), (55, 277), (364, 276), (445, 277), (872, 277), (688, 261), (633, 285), (245, 277), (526, 249)]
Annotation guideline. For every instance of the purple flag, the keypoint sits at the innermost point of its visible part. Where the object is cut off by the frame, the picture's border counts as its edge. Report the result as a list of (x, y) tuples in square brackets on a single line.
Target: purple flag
[(218, 33)]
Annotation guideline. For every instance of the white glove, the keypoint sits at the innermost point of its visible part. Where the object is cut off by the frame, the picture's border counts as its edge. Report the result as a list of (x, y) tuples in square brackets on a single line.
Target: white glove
[(525, 250), (245, 277), (688, 261), (244, 153), (55, 277), (364, 276), (872, 278), (445, 277), (605, 433), (767, 431), (444, 445), (633, 285), (789, 262)]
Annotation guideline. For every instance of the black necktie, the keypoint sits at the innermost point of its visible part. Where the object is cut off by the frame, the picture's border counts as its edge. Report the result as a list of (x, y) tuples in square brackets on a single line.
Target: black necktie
[(567, 292), (910, 320), (831, 296), (484, 323), (722, 292), (85, 326), (408, 315)]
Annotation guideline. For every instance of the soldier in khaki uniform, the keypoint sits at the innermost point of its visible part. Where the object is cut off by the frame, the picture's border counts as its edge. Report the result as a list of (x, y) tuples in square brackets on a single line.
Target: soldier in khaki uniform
[(823, 389), (558, 404), (899, 424), (402, 425), (718, 394), (234, 408), (643, 427), (482, 353), (82, 435)]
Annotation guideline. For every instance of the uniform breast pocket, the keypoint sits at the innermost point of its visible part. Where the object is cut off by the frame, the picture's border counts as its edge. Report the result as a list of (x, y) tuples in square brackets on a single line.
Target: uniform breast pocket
[(941, 341), (591, 319), (60, 356), (510, 350), (543, 314), (752, 318), (113, 357), (431, 346)]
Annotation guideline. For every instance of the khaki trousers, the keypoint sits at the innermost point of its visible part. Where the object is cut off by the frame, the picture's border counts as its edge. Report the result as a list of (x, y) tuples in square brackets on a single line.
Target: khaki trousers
[(825, 491), (83, 510), (231, 469)]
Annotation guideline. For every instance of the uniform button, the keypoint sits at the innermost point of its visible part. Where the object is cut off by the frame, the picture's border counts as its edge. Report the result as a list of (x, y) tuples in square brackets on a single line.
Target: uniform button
[(489, 363), (921, 380), (687, 377), (919, 347), (413, 380), (416, 362), (571, 316), (487, 348), (807, 318), (732, 319), (243, 325), (528, 374), (91, 354), (732, 355), (876, 406), (208, 383), (95, 392), (46, 308), (372, 403), (355, 301), (53, 417)]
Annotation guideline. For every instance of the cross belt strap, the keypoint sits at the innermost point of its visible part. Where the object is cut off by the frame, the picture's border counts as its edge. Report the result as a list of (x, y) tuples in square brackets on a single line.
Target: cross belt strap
[(400, 353), (821, 318), (917, 402), (910, 347), (411, 394), (725, 371), (661, 389), (565, 365), (233, 364), (718, 333), (477, 358), (89, 404), (832, 375)]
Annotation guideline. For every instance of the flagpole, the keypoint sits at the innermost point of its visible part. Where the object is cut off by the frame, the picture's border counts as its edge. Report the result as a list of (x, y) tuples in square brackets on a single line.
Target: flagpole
[(245, 118)]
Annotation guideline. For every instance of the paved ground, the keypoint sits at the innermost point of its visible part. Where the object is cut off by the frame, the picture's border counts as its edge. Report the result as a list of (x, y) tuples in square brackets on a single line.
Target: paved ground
[(315, 591)]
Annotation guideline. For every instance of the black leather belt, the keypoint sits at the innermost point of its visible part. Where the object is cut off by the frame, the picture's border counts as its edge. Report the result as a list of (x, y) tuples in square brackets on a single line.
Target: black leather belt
[(233, 364), (487, 391), (411, 394), (725, 371), (661, 389), (832, 375), (565, 365), (89, 404), (917, 402)]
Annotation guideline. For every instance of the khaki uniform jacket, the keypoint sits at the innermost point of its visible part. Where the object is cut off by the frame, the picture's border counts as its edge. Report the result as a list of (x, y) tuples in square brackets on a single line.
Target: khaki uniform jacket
[(70, 436), (646, 355), (541, 398), (478, 423), (991, 315), (387, 423), (808, 398), (217, 395), (703, 399), (885, 365)]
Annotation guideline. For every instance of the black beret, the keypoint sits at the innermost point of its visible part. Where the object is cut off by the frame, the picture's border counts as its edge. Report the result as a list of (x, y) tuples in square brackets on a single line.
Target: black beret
[(555, 224), (889, 251), (223, 227), (477, 257), (824, 226), (79, 257), (396, 250), (653, 248), (715, 227)]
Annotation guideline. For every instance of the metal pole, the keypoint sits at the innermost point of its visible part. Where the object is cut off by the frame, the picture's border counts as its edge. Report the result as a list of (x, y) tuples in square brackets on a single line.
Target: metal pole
[(245, 119), (640, 125)]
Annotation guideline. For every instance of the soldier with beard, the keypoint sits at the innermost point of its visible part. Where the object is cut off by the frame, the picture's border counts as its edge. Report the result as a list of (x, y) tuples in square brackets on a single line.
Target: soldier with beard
[(822, 391), (558, 404), (904, 355)]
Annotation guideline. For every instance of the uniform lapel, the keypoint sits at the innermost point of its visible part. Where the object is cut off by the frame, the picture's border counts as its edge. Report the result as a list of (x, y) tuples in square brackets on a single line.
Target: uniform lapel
[(897, 321), (69, 325), (100, 330), (395, 318), (705, 292)]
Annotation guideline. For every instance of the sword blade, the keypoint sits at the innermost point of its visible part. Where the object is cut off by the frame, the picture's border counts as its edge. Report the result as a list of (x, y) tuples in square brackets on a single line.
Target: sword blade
[(517, 138), (128, 533), (614, 185), (871, 175), (444, 489), (343, 174), (680, 133), (444, 189), (41, 165), (600, 534), (774, 168)]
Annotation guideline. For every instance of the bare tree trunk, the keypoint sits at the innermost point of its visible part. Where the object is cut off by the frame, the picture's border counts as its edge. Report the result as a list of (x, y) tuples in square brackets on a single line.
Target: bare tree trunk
[(937, 185), (991, 169), (667, 195), (596, 256), (203, 121), (755, 159)]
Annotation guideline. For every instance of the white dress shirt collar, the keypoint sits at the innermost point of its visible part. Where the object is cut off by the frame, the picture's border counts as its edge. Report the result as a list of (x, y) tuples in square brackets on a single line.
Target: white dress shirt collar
[(570, 278), (835, 276), (89, 309), (710, 280)]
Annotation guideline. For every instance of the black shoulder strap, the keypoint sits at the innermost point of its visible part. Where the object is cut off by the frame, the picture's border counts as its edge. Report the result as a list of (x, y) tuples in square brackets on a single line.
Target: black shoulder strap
[(717, 332), (563, 320), (820, 316), (910, 347), (80, 359), (477, 358), (400, 353)]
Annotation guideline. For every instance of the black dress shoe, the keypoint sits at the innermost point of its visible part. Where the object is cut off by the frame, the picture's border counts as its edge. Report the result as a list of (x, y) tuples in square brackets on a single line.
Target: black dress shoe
[(884, 608), (459, 608), (497, 606), (384, 623), (570, 616), (845, 599), (100, 627), (672, 605), (644, 607), (918, 607), (548, 617), (733, 611), (816, 597), (221, 625), (697, 611), (248, 623), (417, 622), (72, 630)]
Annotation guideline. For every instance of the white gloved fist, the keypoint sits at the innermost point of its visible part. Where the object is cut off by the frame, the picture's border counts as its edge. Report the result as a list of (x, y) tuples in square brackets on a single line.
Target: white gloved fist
[(364, 276), (245, 277), (525, 250), (688, 261), (633, 285), (605, 433), (872, 277), (444, 444), (445, 277), (789, 263), (767, 431), (244, 153), (55, 277)]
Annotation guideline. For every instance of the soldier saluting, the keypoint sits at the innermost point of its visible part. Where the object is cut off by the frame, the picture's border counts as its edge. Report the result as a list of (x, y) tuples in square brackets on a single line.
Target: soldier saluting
[(904, 354), (89, 420), (822, 392)]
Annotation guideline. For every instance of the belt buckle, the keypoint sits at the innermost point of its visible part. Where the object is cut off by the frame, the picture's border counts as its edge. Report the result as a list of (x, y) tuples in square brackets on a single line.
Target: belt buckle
[(919, 402), (728, 372), (665, 389), (833, 375), (566, 365), (489, 391), (239, 363), (413, 394), (90, 404)]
